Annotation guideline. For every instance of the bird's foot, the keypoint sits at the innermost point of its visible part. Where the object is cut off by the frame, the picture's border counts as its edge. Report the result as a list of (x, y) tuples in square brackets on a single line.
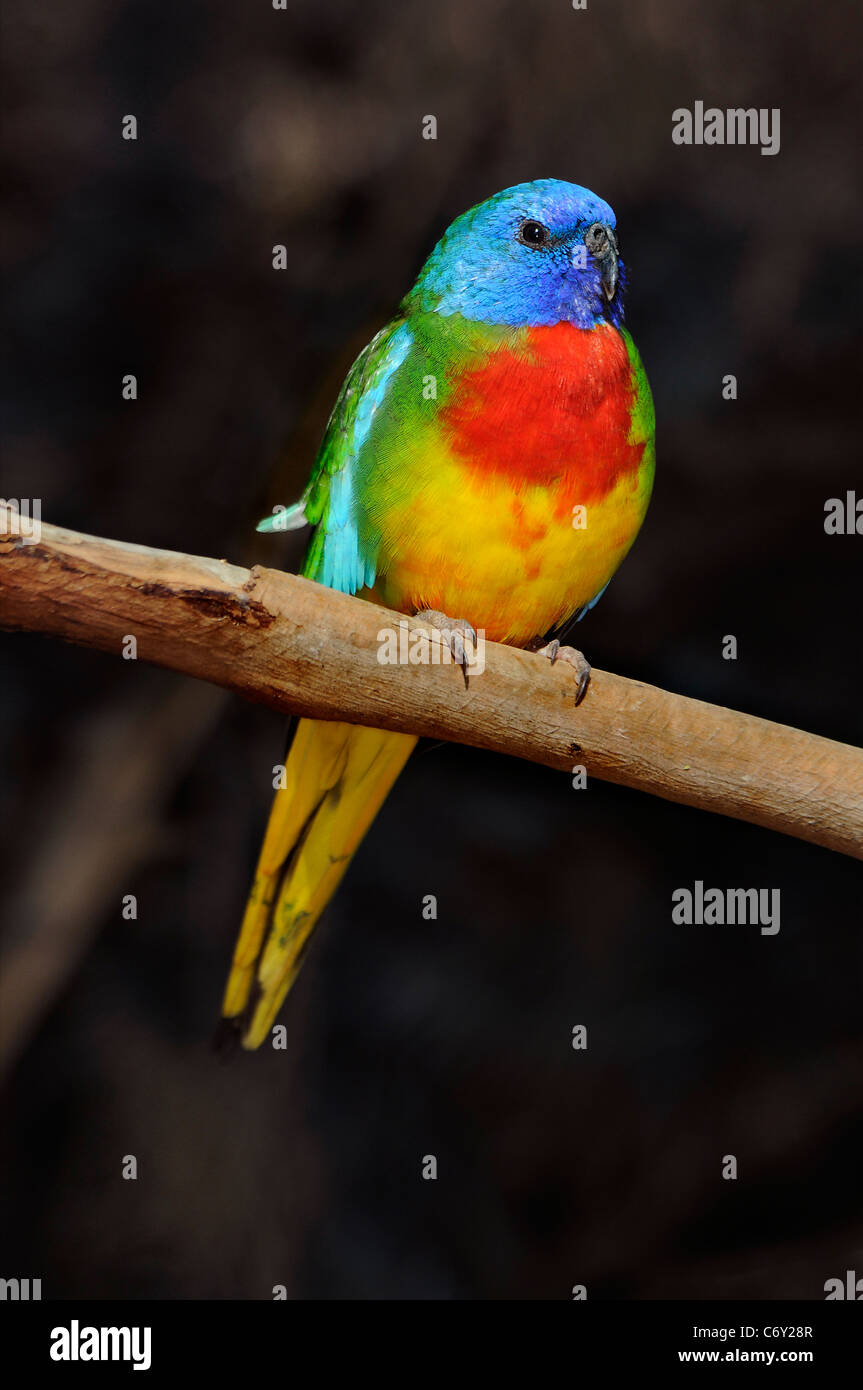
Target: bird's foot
[(576, 659), (456, 633)]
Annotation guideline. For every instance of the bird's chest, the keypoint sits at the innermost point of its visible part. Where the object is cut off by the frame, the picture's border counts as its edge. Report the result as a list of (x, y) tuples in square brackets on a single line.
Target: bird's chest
[(553, 410), (526, 486)]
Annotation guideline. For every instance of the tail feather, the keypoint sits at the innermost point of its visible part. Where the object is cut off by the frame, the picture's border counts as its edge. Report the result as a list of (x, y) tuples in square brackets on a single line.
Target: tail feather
[(337, 776)]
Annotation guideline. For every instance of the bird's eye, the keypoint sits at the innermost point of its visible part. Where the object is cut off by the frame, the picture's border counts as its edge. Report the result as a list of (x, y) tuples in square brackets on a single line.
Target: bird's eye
[(533, 234)]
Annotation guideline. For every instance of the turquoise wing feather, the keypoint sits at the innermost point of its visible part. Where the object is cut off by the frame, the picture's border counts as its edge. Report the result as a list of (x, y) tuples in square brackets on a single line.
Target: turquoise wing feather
[(339, 554)]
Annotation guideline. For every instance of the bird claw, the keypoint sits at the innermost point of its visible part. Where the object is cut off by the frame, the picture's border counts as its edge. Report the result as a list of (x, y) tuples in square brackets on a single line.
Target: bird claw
[(455, 632), (576, 659)]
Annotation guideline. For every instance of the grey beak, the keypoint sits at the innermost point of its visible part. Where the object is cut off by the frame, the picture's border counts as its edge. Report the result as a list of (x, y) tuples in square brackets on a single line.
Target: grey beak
[(601, 242), (608, 271)]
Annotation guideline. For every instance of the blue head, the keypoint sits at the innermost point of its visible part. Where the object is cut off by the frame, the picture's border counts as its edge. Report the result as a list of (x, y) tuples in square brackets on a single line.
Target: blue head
[(539, 253)]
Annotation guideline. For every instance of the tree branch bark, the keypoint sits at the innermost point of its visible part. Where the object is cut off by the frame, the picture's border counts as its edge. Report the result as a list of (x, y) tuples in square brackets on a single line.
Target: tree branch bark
[(297, 646)]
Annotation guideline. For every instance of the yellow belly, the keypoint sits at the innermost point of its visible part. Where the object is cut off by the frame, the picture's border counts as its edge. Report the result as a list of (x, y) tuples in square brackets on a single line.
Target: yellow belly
[(515, 563)]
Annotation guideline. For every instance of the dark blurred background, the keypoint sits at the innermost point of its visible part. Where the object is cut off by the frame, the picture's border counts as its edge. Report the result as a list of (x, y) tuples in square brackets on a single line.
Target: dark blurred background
[(405, 1037)]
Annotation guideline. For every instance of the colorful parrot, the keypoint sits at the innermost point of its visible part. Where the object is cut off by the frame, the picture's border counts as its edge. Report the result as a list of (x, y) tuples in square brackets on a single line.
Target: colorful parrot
[(505, 400)]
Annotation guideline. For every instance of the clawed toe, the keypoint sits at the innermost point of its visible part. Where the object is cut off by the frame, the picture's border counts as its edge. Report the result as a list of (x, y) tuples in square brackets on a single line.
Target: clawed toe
[(574, 658), (456, 632)]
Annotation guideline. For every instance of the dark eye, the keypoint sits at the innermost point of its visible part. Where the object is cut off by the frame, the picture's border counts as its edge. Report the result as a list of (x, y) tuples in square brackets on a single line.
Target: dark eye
[(533, 234)]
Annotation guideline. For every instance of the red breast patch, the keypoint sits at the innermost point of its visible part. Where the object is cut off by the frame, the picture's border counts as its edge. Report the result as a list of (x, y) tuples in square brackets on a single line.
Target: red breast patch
[(556, 409)]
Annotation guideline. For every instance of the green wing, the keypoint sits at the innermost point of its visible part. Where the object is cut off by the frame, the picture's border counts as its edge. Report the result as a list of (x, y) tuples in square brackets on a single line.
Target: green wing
[(338, 554)]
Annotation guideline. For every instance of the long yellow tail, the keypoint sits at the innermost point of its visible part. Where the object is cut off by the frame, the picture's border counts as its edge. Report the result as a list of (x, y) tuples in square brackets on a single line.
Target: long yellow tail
[(336, 779)]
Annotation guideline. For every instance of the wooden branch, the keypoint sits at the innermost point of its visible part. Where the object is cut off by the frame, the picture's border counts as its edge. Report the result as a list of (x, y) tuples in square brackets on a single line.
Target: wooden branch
[(297, 646)]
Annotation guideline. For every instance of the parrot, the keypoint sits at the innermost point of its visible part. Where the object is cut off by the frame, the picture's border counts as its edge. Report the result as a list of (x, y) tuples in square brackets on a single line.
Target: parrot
[(487, 465)]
